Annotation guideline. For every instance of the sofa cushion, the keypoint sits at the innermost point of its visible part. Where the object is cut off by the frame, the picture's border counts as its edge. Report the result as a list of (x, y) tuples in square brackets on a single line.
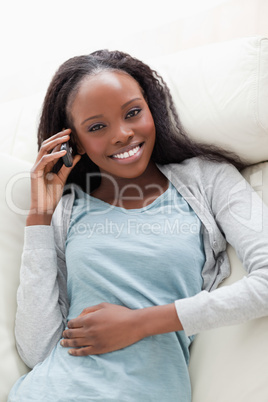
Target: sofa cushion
[(230, 363), (14, 202), (221, 91)]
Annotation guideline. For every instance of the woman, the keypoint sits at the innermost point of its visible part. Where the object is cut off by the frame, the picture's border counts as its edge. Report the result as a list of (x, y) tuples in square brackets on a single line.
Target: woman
[(113, 291)]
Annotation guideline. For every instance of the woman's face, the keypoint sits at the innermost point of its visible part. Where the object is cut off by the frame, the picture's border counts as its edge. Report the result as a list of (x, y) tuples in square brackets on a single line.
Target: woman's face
[(114, 124)]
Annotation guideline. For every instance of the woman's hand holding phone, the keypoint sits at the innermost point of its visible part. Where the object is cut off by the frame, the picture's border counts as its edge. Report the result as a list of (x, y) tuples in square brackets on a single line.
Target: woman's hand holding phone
[(46, 186)]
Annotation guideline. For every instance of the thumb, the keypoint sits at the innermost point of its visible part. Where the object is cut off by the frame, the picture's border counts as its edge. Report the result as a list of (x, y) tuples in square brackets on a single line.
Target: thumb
[(65, 171), (75, 161)]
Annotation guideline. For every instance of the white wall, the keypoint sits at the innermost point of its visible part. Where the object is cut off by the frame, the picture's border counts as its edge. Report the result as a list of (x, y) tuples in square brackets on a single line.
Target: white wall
[(36, 36), (34, 30)]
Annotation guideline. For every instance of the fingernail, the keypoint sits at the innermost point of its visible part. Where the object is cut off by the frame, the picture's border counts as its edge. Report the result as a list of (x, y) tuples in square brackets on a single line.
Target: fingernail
[(62, 343), (70, 352)]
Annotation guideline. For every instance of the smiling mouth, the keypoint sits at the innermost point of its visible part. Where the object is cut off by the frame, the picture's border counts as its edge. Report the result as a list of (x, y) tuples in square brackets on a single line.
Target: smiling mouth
[(127, 154)]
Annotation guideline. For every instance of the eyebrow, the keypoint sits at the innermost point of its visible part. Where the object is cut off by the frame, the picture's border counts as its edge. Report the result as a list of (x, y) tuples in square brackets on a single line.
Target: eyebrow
[(91, 118), (97, 116)]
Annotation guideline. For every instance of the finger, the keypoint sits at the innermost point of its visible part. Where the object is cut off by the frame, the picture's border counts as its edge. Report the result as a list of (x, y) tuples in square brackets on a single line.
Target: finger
[(74, 343), (73, 333), (57, 148), (58, 135), (76, 323), (49, 145), (85, 351), (55, 140), (45, 160)]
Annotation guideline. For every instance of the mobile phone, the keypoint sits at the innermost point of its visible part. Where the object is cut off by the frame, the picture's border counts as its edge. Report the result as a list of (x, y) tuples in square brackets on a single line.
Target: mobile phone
[(67, 159)]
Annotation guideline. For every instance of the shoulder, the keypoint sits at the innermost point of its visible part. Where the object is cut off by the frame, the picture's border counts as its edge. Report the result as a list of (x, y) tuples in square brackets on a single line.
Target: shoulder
[(199, 170), (64, 207)]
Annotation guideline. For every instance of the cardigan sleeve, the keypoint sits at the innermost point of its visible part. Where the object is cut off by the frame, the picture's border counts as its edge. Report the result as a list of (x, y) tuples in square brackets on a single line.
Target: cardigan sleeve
[(42, 304), (243, 219)]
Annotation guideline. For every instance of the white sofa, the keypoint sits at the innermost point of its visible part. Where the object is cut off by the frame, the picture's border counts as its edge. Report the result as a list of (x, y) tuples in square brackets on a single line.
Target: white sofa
[(221, 92)]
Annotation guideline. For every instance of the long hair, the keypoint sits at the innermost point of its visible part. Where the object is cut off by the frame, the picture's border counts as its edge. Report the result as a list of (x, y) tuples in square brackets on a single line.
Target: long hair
[(172, 145)]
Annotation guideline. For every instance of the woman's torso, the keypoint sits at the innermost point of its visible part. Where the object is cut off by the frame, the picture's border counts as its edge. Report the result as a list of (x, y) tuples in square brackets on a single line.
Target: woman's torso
[(135, 258)]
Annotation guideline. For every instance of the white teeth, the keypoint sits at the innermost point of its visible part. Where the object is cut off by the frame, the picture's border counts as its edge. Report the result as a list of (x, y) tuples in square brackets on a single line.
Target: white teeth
[(127, 154)]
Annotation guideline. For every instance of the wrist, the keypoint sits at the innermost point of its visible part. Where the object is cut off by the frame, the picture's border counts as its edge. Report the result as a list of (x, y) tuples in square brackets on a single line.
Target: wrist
[(38, 219), (158, 320)]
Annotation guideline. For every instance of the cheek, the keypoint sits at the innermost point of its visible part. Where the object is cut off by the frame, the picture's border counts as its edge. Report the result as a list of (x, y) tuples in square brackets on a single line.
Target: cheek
[(149, 127), (93, 147)]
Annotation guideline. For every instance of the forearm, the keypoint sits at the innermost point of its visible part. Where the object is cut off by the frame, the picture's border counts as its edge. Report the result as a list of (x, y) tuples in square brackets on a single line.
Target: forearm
[(39, 319), (244, 300)]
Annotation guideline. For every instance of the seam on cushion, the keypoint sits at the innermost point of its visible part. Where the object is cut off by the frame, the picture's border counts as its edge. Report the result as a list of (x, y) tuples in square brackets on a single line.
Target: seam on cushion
[(257, 83), (256, 91), (39, 248)]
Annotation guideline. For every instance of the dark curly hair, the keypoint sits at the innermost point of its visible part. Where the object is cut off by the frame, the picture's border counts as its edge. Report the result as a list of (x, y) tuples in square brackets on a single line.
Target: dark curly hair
[(172, 144)]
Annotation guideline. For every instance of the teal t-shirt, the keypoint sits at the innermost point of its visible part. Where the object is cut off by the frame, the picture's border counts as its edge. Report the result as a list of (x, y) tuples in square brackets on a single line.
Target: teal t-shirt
[(136, 258)]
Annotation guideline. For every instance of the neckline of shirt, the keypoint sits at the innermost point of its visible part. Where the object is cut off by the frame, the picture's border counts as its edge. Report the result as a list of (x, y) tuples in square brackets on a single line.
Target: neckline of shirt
[(153, 204)]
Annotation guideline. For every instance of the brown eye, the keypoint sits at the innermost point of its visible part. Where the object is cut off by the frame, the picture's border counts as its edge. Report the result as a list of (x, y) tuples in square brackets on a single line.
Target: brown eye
[(96, 127), (133, 113)]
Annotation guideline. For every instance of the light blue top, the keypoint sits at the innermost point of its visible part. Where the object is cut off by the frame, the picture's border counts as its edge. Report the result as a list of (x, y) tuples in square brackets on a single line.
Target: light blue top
[(136, 258)]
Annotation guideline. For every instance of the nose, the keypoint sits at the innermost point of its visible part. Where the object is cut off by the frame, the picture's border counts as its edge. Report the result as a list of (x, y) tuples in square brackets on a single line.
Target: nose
[(122, 134)]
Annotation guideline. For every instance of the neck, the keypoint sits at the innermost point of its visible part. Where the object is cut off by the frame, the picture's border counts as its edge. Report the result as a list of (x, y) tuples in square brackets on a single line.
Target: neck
[(132, 192)]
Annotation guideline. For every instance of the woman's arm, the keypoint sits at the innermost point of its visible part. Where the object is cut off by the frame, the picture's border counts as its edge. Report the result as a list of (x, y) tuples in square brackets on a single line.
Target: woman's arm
[(243, 218), (41, 312), (42, 301)]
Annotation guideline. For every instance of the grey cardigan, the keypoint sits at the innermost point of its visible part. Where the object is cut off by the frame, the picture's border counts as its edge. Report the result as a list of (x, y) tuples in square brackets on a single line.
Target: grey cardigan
[(230, 211)]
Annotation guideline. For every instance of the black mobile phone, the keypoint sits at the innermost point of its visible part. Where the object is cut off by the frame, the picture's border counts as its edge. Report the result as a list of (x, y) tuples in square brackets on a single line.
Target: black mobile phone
[(67, 159)]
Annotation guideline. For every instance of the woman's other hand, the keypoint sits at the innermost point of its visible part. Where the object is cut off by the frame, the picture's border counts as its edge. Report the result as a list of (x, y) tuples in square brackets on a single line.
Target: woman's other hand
[(101, 329), (108, 327), (47, 187)]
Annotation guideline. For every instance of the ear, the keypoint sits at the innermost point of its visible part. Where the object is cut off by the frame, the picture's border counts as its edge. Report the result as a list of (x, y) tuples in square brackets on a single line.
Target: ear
[(75, 140), (80, 149)]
